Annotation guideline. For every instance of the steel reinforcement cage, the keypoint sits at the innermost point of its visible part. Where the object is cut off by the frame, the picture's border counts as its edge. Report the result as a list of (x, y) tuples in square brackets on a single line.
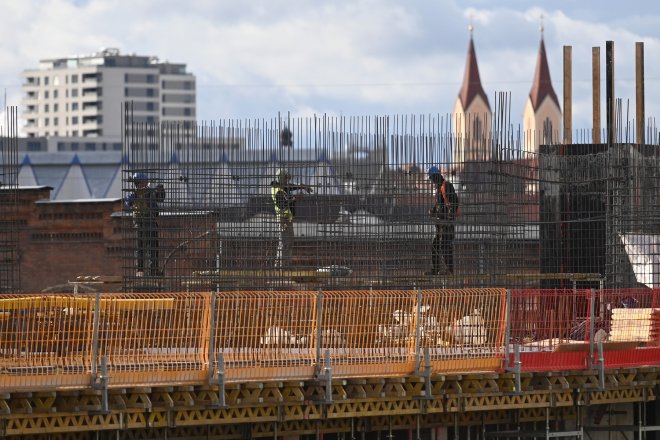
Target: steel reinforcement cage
[(9, 226), (578, 215)]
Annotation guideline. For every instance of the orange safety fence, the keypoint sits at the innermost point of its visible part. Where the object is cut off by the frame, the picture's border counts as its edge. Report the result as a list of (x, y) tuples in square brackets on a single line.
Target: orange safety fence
[(368, 333), (265, 334), (45, 340), (154, 338), (359, 333), (463, 329), (137, 339)]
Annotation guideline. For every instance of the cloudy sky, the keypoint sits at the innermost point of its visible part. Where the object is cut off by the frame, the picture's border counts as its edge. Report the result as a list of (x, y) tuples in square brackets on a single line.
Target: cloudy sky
[(255, 58)]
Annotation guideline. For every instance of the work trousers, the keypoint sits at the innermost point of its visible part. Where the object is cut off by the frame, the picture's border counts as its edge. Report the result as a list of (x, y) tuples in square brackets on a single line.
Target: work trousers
[(146, 251), (443, 247), (284, 244)]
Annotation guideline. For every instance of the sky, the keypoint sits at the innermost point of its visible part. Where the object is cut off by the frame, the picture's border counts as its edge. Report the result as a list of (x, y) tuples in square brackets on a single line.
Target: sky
[(253, 59)]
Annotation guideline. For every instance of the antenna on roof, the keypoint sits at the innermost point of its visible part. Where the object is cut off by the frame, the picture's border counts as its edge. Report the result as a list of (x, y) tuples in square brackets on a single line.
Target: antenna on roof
[(542, 28)]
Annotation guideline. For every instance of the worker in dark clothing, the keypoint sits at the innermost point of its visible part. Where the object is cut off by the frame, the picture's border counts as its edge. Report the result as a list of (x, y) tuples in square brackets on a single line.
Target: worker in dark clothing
[(143, 202), (443, 213), (285, 206)]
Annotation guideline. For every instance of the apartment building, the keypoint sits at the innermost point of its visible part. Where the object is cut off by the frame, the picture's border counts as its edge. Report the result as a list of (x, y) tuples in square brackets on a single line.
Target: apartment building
[(81, 96)]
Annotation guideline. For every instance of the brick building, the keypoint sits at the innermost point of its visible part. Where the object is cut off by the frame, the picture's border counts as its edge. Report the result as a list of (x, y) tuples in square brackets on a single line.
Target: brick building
[(61, 240)]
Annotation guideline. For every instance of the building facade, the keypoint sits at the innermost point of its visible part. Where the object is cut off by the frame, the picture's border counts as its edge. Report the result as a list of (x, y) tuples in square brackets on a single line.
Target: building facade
[(81, 97)]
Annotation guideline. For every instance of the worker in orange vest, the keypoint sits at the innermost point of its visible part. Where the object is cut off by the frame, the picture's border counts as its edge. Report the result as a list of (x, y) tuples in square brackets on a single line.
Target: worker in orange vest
[(443, 213)]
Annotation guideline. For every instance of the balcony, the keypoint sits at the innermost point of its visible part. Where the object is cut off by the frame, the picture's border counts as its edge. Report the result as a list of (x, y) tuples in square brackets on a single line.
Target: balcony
[(90, 108)]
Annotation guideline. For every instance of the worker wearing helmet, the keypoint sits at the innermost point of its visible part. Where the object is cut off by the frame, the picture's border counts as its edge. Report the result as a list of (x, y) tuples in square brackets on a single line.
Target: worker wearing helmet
[(443, 214), (143, 203), (285, 204)]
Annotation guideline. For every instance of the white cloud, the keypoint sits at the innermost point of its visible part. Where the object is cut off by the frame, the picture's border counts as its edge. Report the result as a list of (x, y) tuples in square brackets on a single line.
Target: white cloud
[(255, 58)]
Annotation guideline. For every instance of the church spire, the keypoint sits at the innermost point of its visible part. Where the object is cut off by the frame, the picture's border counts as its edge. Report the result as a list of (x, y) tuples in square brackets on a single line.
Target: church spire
[(471, 87), (542, 85)]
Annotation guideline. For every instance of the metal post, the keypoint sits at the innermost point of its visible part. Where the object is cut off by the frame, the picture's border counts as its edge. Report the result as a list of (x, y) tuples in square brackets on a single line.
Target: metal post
[(417, 329), (639, 92), (609, 91), (507, 335), (601, 366), (516, 367), (319, 321), (592, 317), (328, 378), (211, 352), (220, 362), (96, 336), (427, 374)]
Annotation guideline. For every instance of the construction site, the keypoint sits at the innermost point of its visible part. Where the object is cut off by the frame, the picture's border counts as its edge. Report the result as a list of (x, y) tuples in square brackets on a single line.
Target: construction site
[(531, 311)]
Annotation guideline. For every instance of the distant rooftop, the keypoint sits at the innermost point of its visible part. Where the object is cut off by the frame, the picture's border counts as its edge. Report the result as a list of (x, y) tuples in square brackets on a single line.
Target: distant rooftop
[(111, 57)]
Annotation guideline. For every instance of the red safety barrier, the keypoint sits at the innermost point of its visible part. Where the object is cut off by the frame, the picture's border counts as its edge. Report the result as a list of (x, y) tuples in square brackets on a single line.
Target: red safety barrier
[(557, 330), (550, 328)]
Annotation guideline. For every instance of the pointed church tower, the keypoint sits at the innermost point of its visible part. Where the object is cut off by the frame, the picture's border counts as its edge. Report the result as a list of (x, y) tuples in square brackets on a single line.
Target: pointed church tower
[(472, 115), (542, 116)]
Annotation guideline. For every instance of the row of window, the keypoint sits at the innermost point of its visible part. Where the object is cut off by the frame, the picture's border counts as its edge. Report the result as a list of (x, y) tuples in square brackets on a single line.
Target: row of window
[(89, 146), (75, 120), (74, 133), (68, 93), (68, 79), (73, 107)]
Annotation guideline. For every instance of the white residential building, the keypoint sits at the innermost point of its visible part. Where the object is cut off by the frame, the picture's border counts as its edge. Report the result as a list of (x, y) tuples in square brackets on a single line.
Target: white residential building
[(82, 96)]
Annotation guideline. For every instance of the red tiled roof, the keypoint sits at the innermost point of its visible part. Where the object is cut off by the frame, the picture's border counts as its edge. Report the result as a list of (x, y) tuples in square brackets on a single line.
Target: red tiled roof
[(542, 85), (471, 81)]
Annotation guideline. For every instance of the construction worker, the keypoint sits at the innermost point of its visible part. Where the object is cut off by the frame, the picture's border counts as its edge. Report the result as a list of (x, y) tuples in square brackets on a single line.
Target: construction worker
[(143, 202), (443, 214), (285, 204)]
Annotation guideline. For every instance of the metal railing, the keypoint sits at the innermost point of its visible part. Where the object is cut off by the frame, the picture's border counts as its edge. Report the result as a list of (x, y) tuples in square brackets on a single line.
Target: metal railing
[(54, 341)]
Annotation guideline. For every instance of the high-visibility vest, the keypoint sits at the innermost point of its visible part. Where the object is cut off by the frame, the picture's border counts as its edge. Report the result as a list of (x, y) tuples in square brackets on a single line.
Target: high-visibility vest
[(282, 213), (443, 191)]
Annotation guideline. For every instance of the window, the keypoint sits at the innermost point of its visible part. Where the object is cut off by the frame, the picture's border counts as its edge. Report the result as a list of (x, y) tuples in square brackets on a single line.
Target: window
[(46, 121), (74, 93), (45, 108), (33, 146), (56, 121), (54, 93), (75, 145), (116, 146), (61, 146), (46, 80), (74, 106), (90, 146), (56, 107), (74, 133), (74, 120), (74, 79), (46, 94)]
